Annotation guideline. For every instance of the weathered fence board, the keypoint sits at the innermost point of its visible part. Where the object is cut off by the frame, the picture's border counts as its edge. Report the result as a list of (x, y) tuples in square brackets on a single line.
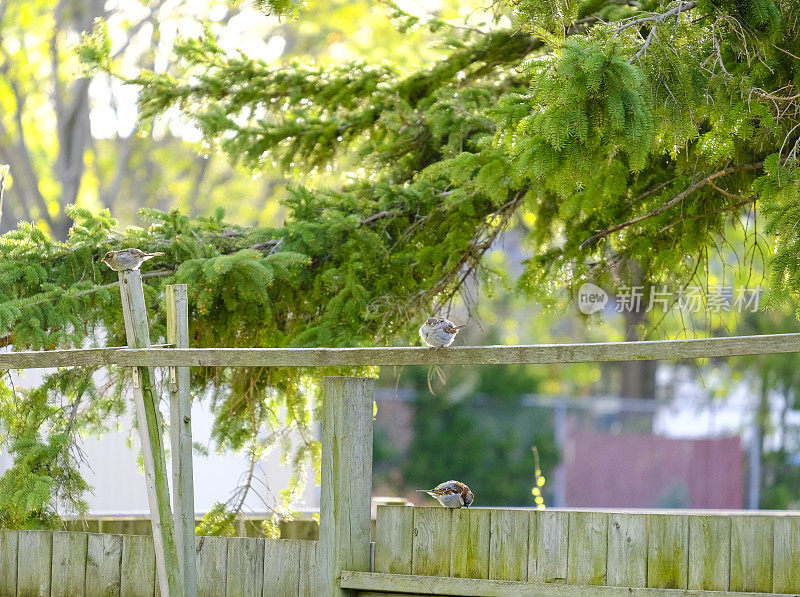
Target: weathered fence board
[(508, 551), (69, 564), (103, 559), (551, 546), (751, 553), (412, 355), (469, 543), (309, 579), (627, 550), (8, 562), (245, 561), (212, 565), (431, 552), (137, 567), (281, 568), (588, 545), (786, 555), (667, 551), (709, 552), (393, 528), (34, 556)]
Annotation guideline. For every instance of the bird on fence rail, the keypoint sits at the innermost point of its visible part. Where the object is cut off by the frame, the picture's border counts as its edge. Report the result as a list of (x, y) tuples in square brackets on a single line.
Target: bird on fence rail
[(127, 259), (451, 494), (438, 332)]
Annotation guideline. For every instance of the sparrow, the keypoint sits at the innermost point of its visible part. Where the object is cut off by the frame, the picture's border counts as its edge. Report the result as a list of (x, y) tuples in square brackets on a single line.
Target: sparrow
[(127, 259), (438, 332), (451, 494)]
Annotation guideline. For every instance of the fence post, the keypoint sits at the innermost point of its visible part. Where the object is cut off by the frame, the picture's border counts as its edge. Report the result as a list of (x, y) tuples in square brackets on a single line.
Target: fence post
[(155, 469), (344, 519), (180, 433)]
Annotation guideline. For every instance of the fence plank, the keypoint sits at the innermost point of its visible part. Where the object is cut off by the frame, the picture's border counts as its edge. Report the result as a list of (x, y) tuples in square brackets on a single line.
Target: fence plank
[(309, 569), (709, 552), (34, 554), (69, 564), (393, 530), (550, 550), (212, 563), (508, 545), (180, 434), (751, 553), (469, 543), (431, 555), (344, 509), (8, 562), (786, 556), (627, 550), (386, 356), (667, 551), (134, 310), (245, 567), (137, 567), (281, 567), (103, 558), (588, 548)]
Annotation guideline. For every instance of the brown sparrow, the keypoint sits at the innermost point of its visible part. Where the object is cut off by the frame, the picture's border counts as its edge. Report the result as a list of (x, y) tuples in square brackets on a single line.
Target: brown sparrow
[(451, 494), (439, 332), (127, 259)]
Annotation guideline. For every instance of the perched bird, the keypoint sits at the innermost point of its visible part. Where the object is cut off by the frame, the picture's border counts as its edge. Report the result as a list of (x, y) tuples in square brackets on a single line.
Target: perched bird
[(127, 259), (438, 332), (451, 494)]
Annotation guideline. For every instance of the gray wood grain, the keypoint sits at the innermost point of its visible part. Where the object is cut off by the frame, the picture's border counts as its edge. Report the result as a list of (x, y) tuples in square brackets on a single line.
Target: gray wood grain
[(751, 553), (508, 551), (212, 566), (137, 567), (281, 567), (8, 563), (431, 548), (667, 553), (588, 548), (134, 311), (394, 527), (309, 571), (383, 356), (551, 547), (34, 555), (786, 556), (709, 552), (103, 560), (470, 534), (69, 564), (245, 567), (180, 433), (345, 503), (627, 550)]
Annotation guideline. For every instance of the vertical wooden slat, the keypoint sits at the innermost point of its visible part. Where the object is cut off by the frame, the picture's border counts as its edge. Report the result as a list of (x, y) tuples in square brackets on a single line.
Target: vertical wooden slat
[(103, 558), (8, 562), (751, 553), (667, 552), (134, 311), (508, 545), (588, 548), (245, 567), (393, 539), (34, 556), (137, 567), (212, 565), (309, 574), (180, 433), (709, 552), (549, 548), (281, 567), (344, 525), (431, 549), (627, 550), (469, 543), (786, 555), (69, 564)]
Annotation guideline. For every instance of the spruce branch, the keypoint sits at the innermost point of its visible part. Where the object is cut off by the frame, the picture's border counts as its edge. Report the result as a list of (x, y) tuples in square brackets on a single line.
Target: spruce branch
[(655, 19), (664, 207)]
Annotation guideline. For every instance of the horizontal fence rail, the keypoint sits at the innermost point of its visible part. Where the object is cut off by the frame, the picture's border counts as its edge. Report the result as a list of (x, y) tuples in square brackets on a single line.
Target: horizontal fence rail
[(385, 356), (56, 564), (736, 553)]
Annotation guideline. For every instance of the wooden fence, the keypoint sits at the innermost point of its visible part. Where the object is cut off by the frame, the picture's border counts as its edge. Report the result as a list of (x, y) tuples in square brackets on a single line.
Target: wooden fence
[(69, 564)]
